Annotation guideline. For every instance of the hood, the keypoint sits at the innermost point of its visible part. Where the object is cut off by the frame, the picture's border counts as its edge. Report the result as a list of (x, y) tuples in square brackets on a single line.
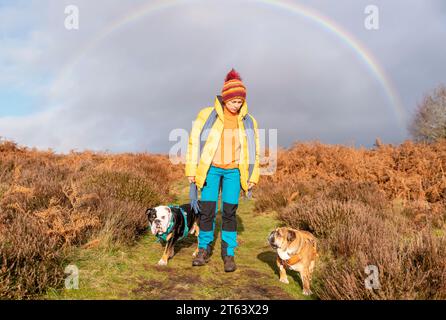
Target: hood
[(218, 105)]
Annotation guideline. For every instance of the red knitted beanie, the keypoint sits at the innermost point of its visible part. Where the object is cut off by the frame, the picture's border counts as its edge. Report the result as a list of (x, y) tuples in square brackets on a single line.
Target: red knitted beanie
[(234, 87)]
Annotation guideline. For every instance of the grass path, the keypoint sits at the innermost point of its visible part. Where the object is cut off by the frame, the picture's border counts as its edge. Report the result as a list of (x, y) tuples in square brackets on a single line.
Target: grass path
[(133, 273)]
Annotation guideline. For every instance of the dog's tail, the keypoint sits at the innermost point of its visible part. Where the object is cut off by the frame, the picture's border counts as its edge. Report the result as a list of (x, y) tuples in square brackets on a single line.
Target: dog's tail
[(315, 248), (313, 243)]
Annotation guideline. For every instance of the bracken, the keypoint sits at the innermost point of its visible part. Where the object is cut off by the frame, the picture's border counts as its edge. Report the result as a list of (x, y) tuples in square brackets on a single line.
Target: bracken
[(50, 204)]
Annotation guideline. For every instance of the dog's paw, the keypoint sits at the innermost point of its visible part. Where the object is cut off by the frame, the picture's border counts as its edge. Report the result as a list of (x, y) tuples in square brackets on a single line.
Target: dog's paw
[(307, 292), (284, 280), (162, 263)]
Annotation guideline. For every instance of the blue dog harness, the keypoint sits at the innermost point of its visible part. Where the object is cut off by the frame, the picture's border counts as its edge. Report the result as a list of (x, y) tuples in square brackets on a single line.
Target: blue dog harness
[(163, 236)]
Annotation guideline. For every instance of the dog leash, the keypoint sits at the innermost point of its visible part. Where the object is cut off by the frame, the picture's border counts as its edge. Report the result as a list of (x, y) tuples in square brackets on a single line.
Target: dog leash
[(247, 195), (193, 196)]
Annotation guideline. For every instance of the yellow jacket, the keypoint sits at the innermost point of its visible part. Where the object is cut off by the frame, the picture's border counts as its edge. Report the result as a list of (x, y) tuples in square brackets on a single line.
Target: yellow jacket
[(198, 168)]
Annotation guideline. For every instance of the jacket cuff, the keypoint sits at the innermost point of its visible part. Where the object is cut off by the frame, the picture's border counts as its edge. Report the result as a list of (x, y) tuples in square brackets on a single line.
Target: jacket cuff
[(191, 171)]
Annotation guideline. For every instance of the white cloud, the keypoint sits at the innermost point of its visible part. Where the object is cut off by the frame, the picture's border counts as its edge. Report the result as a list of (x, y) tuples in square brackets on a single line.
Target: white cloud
[(153, 75)]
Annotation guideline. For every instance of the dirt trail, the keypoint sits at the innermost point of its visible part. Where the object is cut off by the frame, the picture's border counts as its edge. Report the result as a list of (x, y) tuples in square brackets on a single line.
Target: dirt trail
[(133, 273)]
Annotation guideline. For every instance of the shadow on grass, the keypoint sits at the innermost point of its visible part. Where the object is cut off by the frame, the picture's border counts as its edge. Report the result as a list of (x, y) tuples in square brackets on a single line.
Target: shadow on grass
[(270, 257)]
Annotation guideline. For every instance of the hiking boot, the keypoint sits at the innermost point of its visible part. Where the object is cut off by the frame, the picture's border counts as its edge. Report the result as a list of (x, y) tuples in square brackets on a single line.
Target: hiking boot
[(229, 264), (201, 259)]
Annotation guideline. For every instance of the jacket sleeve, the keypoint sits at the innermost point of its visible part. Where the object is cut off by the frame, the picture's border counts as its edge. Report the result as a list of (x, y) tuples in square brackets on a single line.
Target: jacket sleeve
[(192, 157), (256, 172)]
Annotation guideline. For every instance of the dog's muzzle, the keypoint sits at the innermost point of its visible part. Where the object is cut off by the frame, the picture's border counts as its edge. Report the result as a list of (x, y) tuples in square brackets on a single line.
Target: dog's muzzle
[(158, 227), (271, 240)]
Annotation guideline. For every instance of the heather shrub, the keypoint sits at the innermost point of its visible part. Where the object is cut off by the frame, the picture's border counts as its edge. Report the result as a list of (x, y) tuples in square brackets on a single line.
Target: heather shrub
[(383, 207), (51, 204)]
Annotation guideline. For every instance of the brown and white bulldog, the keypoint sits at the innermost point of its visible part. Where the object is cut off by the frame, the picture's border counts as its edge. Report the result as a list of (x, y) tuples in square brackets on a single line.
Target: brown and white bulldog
[(296, 250)]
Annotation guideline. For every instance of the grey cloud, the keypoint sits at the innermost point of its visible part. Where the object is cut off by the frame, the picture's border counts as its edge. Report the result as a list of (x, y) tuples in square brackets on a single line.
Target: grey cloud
[(153, 75)]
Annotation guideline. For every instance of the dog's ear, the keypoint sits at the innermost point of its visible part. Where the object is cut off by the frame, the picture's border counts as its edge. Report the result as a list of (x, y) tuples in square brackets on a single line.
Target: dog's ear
[(150, 212), (291, 236)]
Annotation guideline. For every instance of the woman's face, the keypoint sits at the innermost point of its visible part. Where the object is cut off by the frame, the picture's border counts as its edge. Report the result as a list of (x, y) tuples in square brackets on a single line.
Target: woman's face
[(234, 105)]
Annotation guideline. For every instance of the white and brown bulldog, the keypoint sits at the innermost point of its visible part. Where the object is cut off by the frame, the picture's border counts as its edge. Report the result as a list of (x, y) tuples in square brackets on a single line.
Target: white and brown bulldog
[(170, 223), (296, 250)]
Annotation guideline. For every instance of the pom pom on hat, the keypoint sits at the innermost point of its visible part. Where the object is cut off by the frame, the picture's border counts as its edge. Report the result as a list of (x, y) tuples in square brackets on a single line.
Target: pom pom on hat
[(233, 75)]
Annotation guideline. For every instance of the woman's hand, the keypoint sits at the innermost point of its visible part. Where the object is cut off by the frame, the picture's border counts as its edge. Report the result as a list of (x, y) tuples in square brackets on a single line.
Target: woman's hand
[(251, 185), (191, 179)]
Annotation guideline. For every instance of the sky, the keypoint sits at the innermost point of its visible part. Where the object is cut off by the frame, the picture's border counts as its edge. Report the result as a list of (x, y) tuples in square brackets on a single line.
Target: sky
[(122, 84)]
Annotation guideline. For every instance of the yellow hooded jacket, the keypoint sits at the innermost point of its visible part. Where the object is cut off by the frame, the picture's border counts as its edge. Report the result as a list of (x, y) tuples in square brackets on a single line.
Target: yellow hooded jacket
[(198, 166)]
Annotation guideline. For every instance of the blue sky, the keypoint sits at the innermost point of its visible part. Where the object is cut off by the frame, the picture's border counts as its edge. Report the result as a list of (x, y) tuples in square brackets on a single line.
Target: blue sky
[(129, 90), (16, 103), (19, 85)]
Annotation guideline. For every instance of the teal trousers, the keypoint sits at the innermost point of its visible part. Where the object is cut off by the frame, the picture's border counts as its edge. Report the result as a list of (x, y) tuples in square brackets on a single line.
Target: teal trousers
[(228, 180)]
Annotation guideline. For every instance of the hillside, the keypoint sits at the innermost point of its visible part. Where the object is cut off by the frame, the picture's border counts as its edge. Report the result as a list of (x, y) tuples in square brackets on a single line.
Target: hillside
[(383, 207)]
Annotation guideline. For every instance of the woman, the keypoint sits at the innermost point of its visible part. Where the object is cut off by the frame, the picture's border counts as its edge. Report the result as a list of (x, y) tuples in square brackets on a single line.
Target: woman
[(228, 157)]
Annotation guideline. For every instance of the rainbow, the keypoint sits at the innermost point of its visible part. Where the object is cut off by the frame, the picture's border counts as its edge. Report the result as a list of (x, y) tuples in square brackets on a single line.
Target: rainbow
[(156, 6)]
